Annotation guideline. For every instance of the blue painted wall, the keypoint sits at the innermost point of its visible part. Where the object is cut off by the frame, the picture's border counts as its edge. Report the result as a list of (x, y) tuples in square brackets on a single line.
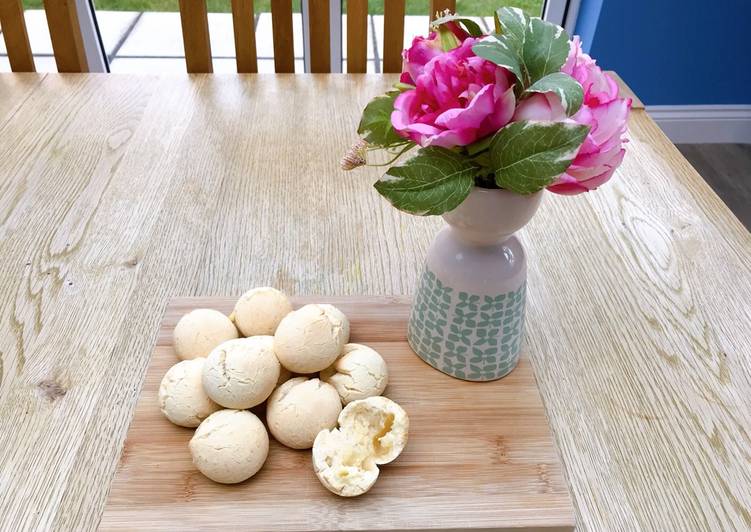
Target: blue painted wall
[(673, 52)]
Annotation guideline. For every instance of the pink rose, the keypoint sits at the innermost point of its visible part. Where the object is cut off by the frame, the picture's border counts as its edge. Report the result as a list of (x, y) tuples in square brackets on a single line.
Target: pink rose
[(602, 150), (423, 50), (602, 110), (598, 86), (545, 107), (417, 56), (459, 98)]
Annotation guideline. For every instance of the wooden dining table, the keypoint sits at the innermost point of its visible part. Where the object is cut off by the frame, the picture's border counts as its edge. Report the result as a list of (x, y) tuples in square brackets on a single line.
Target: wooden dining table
[(119, 192)]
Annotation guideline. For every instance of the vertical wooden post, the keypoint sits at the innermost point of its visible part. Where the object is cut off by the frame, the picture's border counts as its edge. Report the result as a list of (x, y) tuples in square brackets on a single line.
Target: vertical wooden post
[(320, 36), (65, 34), (357, 36), (16, 37), (281, 29), (393, 35), (243, 21), (439, 6), (195, 25)]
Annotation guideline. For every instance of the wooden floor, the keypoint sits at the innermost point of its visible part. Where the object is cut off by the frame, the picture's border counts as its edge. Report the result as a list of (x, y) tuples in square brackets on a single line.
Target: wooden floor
[(727, 169)]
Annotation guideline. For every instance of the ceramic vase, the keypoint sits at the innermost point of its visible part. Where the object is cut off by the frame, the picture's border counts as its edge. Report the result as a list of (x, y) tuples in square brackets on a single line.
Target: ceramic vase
[(467, 316)]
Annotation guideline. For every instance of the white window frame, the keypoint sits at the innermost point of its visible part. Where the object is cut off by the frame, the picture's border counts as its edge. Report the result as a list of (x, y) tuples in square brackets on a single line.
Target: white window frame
[(92, 41), (562, 12)]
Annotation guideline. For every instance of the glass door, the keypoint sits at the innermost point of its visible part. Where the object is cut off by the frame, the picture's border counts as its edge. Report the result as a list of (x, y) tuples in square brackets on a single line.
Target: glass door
[(145, 36), (562, 12)]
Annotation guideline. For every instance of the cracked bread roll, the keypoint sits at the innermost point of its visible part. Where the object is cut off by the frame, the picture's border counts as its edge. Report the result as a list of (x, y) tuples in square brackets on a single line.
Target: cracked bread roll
[(182, 398), (241, 373), (311, 338), (360, 372), (230, 446), (284, 373), (381, 423), (259, 311), (342, 464), (200, 331), (301, 408), (371, 431)]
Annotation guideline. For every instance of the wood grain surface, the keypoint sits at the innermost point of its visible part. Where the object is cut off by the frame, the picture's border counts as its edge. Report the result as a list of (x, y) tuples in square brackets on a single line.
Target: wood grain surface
[(479, 456), (14, 91), (626, 92), (120, 192)]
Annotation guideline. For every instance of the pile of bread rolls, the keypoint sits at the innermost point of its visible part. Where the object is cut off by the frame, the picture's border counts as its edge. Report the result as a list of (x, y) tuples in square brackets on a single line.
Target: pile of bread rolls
[(320, 391)]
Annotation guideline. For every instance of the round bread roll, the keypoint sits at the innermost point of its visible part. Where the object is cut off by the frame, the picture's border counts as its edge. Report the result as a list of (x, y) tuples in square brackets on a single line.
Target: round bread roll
[(200, 331), (359, 373), (241, 373), (311, 338), (342, 464), (284, 373), (380, 424), (230, 446), (259, 311), (371, 431), (181, 396), (301, 408)]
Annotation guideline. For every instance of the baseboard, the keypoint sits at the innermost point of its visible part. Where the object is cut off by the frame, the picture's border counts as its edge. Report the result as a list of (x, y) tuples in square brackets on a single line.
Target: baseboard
[(703, 124)]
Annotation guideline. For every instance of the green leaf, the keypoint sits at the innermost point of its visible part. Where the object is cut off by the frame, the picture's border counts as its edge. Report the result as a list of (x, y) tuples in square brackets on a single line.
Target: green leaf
[(528, 156), (480, 145), (498, 51), (538, 47), (472, 27), (482, 160), (514, 24), (375, 125), (545, 49), (434, 181), (567, 88)]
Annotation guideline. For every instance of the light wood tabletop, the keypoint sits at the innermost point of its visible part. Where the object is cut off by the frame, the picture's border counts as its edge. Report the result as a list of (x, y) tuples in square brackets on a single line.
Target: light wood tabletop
[(120, 192)]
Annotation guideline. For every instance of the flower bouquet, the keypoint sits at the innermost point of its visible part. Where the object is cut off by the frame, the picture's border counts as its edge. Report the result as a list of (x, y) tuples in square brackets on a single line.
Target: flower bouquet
[(493, 121), (522, 109)]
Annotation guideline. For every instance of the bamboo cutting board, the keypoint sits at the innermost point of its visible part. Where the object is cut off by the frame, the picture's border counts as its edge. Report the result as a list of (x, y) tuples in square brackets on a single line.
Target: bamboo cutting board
[(480, 455)]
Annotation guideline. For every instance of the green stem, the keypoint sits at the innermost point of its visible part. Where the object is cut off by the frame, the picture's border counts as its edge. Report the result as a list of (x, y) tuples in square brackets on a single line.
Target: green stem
[(406, 148)]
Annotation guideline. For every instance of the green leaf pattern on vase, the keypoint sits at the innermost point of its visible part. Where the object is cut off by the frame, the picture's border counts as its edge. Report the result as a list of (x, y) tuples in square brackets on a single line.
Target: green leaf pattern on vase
[(468, 336)]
